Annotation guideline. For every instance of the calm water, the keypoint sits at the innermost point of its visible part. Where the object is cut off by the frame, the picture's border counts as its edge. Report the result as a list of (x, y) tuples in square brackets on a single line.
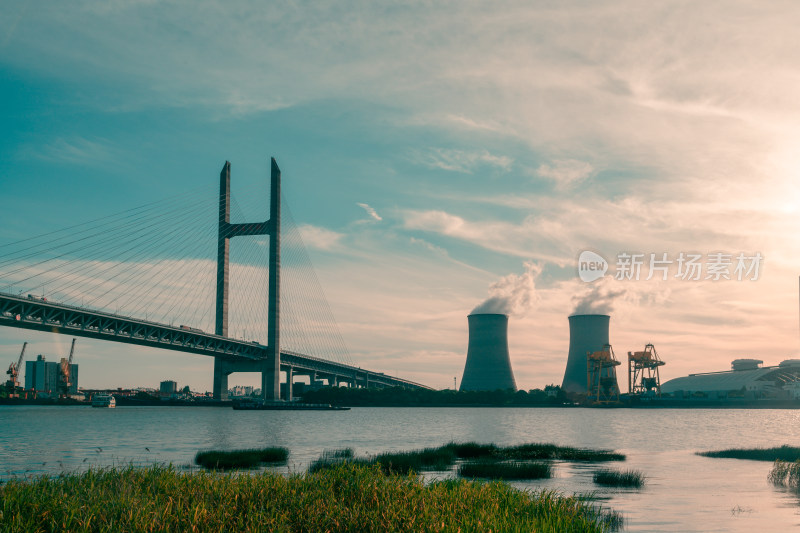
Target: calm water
[(684, 492)]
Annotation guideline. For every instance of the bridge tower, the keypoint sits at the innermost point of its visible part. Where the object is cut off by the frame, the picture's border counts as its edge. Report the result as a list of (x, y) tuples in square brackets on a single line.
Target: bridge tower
[(270, 367)]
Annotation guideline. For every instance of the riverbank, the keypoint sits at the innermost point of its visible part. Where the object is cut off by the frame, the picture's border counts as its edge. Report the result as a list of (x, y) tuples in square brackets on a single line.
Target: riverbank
[(345, 498)]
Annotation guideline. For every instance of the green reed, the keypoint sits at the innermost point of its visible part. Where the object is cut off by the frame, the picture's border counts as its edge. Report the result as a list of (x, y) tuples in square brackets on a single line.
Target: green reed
[(344, 498), (615, 478), (226, 460)]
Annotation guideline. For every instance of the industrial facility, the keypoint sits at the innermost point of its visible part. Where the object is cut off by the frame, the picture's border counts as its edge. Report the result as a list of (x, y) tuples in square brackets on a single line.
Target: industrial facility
[(601, 375), (587, 334), (53, 379), (488, 365), (643, 375), (747, 379)]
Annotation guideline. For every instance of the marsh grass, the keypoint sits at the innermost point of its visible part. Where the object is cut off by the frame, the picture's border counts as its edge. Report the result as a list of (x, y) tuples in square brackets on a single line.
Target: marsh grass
[(564, 453), (220, 460), (332, 458), (615, 478), (786, 474), (472, 450), (505, 470), (428, 459), (782, 453), (531, 451), (444, 457), (347, 497)]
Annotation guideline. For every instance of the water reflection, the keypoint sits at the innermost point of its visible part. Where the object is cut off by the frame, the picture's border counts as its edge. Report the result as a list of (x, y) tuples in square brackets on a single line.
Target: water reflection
[(683, 492)]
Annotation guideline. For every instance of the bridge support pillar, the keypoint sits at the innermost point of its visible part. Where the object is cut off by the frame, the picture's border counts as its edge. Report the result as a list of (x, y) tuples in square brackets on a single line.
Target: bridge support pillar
[(289, 379), (221, 373), (270, 371)]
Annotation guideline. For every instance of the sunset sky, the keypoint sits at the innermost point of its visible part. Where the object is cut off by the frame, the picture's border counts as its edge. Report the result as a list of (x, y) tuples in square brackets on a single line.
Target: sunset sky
[(433, 155)]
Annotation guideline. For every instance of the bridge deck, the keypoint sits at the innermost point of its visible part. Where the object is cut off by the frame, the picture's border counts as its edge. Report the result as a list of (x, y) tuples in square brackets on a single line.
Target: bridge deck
[(41, 315)]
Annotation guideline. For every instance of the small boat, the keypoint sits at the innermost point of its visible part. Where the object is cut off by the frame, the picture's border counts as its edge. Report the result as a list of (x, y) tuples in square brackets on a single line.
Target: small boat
[(103, 400), (260, 405)]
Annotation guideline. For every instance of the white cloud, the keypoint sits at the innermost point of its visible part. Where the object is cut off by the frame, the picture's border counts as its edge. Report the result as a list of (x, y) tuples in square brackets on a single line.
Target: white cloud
[(370, 211), (318, 237), (462, 160), (565, 172), (74, 150)]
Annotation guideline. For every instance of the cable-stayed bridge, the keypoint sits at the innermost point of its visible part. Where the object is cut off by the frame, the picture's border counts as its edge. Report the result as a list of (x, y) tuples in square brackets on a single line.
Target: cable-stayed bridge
[(98, 279)]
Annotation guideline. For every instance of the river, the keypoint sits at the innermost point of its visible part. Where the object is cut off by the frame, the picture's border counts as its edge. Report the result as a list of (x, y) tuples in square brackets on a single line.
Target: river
[(684, 492)]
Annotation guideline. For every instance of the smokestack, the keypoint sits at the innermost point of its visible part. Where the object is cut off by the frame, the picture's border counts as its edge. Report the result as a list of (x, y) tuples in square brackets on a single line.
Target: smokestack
[(587, 333), (488, 365)]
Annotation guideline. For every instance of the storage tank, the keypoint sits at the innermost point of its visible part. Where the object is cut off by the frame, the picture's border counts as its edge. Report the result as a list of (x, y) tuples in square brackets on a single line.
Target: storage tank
[(488, 365), (746, 364), (587, 333)]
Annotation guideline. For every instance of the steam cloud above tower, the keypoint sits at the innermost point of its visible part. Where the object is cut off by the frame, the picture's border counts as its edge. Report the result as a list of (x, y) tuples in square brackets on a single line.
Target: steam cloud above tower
[(598, 300), (512, 294)]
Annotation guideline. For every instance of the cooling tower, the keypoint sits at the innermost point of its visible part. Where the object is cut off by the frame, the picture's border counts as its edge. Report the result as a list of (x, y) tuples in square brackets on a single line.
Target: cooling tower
[(587, 333), (488, 365)]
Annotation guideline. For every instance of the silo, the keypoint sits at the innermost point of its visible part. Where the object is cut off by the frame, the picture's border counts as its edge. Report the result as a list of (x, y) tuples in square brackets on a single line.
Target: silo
[(587, 333), (488, 365)]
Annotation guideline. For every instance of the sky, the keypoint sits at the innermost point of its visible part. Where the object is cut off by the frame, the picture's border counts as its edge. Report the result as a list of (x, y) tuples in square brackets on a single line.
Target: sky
[(434, 155)]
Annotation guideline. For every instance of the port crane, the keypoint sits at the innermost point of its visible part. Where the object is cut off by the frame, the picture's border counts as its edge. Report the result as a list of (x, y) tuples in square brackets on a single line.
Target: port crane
[(13, 373), (643, 377), (602, 376), (64, 377)]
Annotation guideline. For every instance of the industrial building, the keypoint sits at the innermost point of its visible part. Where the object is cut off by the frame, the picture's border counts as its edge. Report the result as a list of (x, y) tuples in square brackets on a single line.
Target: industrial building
[(747, 379), (488, 365), (168, 388), (588, 334), (43, 376)]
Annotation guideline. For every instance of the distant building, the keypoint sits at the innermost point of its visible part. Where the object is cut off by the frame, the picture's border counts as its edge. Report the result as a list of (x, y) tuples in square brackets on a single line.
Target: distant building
[(747, 379), (168, 388), (42, 376), (241, 390)]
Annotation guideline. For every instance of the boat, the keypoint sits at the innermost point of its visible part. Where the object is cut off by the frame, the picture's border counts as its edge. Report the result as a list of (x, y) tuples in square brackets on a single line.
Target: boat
[(261, 405), (103, 400)]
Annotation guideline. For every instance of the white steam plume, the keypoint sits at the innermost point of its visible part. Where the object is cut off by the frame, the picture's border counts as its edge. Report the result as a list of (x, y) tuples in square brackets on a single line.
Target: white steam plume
[(511, 294), (599, 300)]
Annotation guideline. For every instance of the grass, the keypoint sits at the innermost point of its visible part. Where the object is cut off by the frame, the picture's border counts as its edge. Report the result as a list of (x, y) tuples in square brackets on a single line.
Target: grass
[(615, 478), (501, 470), (332, 458), (782, 453), (785, 473), (565, 453), (472, 450), (220, 460), (441, 458), (344, 498), (444, 457)]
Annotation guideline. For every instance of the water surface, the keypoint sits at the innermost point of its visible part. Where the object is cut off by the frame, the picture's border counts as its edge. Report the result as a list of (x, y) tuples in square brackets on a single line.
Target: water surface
[(684, 492)]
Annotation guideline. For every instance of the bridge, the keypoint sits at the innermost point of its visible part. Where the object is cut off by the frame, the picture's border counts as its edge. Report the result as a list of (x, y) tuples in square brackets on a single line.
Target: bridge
[(230, 354)]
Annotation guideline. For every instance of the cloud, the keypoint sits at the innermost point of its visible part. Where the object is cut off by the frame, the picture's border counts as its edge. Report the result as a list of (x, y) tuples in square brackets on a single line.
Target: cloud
[(565, 172), (462, 160), (75, 150), (512, 294), (599, 299), (318, 237), (370, 211)]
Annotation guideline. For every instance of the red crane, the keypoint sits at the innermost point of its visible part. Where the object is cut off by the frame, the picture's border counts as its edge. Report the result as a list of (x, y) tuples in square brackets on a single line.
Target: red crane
[(64, 377), (13, 373)]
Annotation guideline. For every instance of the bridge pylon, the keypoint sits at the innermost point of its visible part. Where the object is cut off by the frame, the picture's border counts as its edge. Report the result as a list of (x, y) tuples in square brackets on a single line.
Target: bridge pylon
[(270, 367)]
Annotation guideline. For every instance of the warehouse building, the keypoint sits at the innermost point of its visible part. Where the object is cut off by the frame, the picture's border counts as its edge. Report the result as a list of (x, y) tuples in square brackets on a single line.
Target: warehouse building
[(747, 379)]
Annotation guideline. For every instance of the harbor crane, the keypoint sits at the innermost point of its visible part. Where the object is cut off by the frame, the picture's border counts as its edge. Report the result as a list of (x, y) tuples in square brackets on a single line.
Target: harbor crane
[(13, 373), (602, 376), (64, 374), (643, 377)]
